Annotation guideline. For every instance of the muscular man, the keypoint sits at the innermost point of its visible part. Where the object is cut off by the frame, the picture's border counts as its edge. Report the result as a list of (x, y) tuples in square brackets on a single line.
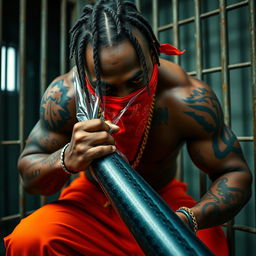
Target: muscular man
[(117, 54)]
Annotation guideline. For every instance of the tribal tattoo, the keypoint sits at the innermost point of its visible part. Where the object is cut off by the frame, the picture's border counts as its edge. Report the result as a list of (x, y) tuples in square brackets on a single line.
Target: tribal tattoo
[(228, 197), (221, 133), (54, 105)]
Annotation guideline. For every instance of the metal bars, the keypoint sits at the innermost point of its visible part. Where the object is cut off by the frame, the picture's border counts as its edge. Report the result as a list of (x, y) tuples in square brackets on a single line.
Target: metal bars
[(22, 75), (63, 37), (224, 68), (252, 20), (23, 5)]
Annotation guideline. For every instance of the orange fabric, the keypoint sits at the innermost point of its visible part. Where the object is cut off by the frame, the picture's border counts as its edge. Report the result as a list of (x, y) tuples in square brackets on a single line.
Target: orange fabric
[(79, 224)]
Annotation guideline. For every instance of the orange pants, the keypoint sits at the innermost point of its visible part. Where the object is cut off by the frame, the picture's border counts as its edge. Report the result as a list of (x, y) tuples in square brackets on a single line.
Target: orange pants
[(79, 224)]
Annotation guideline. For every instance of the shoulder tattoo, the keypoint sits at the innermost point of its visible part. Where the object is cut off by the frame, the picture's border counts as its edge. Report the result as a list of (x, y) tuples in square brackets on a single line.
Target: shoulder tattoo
[(54, 106), (203, 103)]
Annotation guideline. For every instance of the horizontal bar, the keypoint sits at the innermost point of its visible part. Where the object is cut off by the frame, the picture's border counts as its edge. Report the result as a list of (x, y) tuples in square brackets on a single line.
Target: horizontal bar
[(218, 69), (242, 228), (236, 5), (245, 138), (13, 217), (10, 142), (203, 15)]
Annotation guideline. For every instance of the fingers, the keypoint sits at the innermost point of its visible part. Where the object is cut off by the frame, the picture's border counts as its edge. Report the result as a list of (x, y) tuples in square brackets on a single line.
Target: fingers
[(96, 125), (100, 151)]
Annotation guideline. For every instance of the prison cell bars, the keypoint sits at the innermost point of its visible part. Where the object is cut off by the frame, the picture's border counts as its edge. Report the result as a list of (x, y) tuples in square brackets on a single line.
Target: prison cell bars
[(43, 75), (224, 68)]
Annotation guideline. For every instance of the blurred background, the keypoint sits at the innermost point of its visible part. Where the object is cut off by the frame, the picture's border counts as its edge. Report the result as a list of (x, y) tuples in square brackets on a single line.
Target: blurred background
[(219, 38)]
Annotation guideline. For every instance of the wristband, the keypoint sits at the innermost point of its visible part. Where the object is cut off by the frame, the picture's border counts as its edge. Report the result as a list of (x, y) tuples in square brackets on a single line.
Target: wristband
[(190, 216), (62, 154)]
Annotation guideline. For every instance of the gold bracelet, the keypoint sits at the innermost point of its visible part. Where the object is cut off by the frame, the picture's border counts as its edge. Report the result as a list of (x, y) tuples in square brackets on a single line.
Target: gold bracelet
[(190, 216)]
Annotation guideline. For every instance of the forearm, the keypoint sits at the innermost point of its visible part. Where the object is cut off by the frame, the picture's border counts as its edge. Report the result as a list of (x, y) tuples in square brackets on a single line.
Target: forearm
[(226, 196), (42, 173)]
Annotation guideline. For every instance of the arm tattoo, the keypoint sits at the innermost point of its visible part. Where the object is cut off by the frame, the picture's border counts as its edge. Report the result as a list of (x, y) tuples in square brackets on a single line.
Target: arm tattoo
[(32, 175), (221, 133), (54, 105), (161, 116), (225, 196)]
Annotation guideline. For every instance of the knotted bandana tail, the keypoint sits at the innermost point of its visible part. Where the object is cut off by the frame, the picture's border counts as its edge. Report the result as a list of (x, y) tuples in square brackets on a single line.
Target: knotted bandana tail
[(169, 49)]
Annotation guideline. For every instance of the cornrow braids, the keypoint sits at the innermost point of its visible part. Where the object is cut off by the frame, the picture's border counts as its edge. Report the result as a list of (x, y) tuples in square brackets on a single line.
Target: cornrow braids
[(140, 54), (106, 23)]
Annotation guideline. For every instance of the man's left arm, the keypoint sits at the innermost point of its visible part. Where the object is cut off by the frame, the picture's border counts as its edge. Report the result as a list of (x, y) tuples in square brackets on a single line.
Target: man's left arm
[(214, 148)]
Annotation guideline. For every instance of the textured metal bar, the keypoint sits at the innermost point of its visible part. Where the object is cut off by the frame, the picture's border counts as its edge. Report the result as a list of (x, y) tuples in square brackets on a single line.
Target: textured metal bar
[(10, 142), (1, 39), (198, 52), (243, 228), (236, 5), (175, 27), (252, 20), (22, 75), (43, 58), (43, 47), (210, 13), (239, 65), (157, 229), (155, 17), (63, 37), (226, 97), (138, 4), (249, 138), (224, 63)]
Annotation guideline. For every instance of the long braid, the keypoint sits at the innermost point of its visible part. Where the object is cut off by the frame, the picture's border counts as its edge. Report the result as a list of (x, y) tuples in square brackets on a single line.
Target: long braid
[(140, 54)]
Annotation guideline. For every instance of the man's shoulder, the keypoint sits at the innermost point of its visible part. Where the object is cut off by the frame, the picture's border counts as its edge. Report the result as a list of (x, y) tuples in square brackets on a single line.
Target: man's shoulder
[(192, 104), (57, 109)]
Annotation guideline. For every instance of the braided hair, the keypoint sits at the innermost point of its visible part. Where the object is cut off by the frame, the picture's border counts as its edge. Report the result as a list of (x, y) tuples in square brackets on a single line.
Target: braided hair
[(106, 23)]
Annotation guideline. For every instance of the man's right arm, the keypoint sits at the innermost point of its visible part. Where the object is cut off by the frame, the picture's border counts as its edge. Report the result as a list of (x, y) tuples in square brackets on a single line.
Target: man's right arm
[(39, 163)]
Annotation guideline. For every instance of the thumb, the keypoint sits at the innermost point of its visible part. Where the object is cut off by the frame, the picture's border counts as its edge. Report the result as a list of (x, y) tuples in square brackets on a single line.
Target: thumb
[(113, 128)]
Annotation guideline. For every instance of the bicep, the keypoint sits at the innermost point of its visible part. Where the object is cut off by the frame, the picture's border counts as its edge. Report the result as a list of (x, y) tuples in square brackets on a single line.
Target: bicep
[(217, 154)]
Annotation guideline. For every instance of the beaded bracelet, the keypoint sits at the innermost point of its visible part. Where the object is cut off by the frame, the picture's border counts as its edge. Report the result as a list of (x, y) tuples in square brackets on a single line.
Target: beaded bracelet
[(190, 216), (62, 161)]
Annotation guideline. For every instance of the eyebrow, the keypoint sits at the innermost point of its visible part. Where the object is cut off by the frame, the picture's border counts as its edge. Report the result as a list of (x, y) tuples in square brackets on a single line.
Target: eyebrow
[(136, 75)]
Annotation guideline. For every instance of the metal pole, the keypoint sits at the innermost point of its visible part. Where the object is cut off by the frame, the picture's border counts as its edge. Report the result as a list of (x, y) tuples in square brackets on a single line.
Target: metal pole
[(252, 19), (22, 79), (63, 37), (226, 98), (138, 4), (1, 38), (43, 59), (198, 42), (175, 27), (224, 62), (43, 50), (155, 17)]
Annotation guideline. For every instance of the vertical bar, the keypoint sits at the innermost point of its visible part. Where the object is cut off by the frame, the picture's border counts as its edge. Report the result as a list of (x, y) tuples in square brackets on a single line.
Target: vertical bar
[(43, 50), (179, 173), (226, 98), (138, 4), (198, 42), (175, 27), (43, 59), (252, 20), (63, 37), (74, 18), (155, 17), (1, 38), (22, 75), (224, 62)]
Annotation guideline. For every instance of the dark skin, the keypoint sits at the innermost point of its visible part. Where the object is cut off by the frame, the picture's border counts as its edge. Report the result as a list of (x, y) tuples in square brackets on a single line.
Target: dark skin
[(186, 111)]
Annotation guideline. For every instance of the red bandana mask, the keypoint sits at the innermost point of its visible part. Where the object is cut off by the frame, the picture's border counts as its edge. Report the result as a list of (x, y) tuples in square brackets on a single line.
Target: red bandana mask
[(131, 112)]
